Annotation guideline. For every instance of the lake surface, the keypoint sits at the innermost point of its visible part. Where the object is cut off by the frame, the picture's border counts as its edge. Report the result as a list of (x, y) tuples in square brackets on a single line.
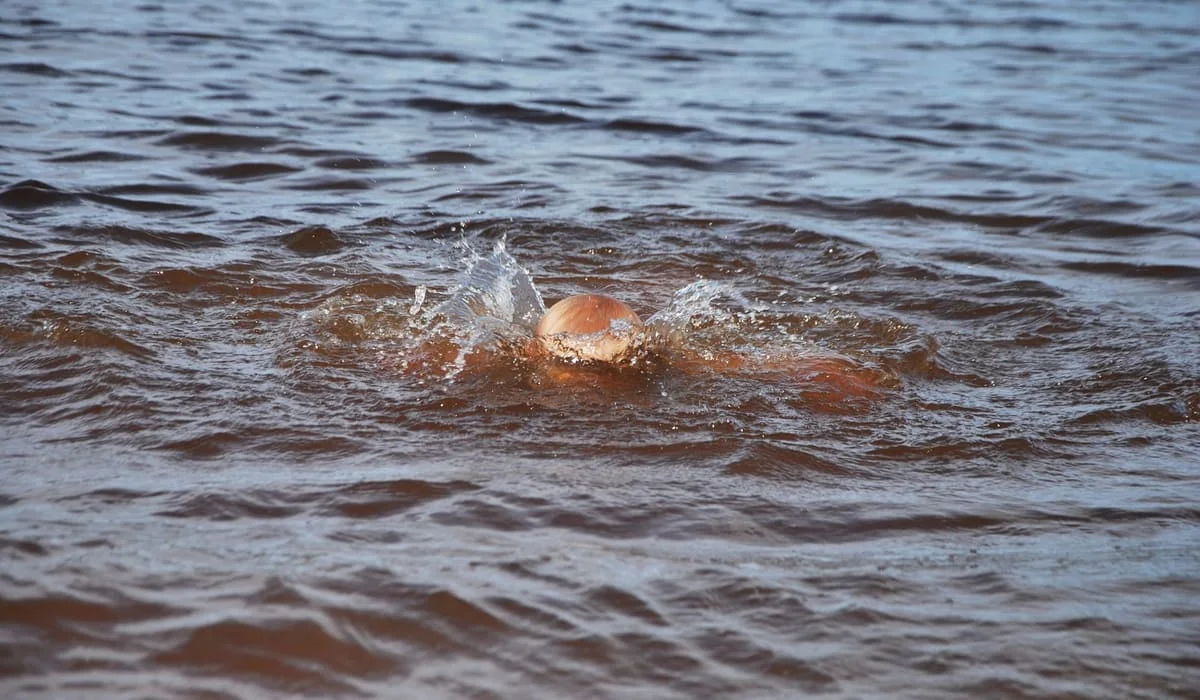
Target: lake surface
[(226, 227)]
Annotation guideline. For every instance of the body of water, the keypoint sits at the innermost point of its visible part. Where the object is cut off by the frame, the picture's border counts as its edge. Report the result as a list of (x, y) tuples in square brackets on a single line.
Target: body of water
[(226, 229)]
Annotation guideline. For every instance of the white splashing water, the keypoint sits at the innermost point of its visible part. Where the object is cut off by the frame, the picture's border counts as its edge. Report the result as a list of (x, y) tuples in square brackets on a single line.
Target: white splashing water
[(691, 304), (496, 287), (693, 323), (418, 300), (496, 303)]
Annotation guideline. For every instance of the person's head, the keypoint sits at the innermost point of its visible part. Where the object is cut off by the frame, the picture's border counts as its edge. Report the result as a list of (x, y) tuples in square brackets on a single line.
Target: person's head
[(592, 327)]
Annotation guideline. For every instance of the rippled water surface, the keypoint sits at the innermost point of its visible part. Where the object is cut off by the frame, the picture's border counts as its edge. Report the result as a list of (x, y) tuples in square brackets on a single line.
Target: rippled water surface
[(251, 254)]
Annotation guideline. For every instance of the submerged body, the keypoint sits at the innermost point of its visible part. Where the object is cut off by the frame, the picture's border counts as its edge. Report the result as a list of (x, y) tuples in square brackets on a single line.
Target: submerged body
[(584, 338)]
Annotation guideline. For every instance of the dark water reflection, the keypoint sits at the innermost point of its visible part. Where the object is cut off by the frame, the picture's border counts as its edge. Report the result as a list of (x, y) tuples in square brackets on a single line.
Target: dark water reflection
[(218, 223)]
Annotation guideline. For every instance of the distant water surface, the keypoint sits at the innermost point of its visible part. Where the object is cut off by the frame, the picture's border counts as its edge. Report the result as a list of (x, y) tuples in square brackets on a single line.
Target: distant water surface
[(224, 226)]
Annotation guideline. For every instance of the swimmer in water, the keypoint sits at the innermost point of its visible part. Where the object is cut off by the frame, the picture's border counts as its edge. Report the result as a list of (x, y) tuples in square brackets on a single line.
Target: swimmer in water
[(599, 329), (592, 333)]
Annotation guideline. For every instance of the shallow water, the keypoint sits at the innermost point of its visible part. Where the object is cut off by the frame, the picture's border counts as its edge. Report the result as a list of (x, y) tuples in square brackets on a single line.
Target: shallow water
[(223, 226)]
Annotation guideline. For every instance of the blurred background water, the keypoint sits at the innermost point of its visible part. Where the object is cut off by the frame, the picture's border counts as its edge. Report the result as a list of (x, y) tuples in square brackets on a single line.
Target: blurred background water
[(219, 223)]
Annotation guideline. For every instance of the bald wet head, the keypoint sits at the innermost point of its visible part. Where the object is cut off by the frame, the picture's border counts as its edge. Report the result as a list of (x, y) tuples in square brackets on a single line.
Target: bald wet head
[(593, 327)]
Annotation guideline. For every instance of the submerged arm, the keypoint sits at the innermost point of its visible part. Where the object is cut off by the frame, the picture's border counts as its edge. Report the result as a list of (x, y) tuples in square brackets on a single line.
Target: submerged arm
[(827, 374)]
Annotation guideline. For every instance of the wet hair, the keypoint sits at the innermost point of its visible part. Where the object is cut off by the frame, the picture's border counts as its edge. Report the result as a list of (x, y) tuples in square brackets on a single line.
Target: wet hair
[(591, 327)]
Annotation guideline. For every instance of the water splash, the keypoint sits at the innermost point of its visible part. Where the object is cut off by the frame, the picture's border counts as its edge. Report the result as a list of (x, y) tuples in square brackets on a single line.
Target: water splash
[(693, 304), (497, 287), (694, 323), (494, 308), (418, 300)]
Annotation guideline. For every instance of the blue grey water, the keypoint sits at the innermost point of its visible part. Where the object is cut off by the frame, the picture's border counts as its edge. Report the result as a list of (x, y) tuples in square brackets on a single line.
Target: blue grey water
[(225, 226)]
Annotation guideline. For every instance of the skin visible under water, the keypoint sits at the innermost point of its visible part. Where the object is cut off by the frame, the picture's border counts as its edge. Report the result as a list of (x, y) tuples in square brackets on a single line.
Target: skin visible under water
[(585, 337)]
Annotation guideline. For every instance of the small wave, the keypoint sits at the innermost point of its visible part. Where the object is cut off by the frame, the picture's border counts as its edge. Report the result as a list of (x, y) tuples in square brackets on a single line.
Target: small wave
[(352, 162), (753, 655), (670, 161), (244, 172), (875, 18), (674, 28), (18, 547), (209, 445), (965, 451), (286, 654), (184, 281), (380, 499), (313, 241), (887, 18), (143, 188), (906, 211), (113, 496), (449, 158), (41, 70), (860, 133), (1182, 273), (128, 235), (647, 126), (219, 141), (33, 194), (142, 205), (416, 55), (223, 506), (1098, 228), (368, 500), (331, 184), (74, 615), (1168, 408), (97, 157), (504, 111), (780, 461), (14, 243), (82, 333)]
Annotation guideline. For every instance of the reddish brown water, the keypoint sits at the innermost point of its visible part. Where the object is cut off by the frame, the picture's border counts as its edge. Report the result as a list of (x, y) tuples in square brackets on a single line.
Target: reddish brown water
[(223, 228)]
